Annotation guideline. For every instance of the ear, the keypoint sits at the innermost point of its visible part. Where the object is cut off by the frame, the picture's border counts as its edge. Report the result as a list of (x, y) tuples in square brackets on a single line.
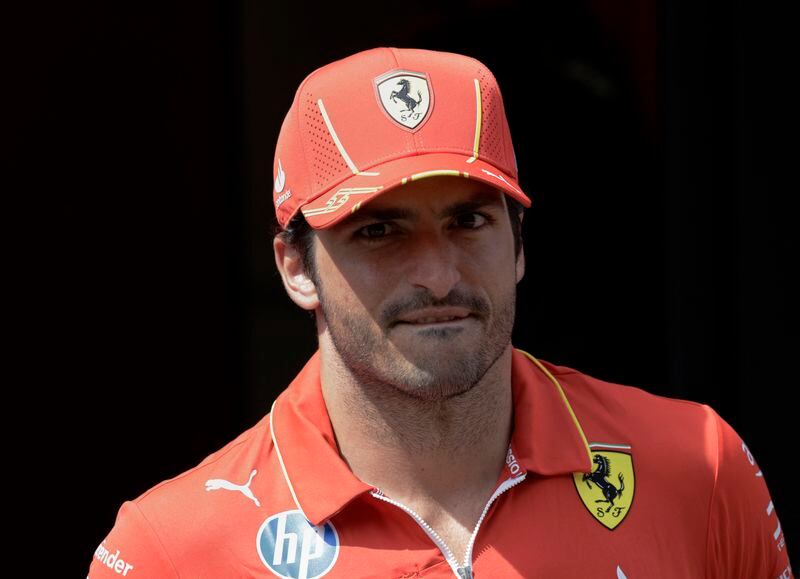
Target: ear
[(300, 288)]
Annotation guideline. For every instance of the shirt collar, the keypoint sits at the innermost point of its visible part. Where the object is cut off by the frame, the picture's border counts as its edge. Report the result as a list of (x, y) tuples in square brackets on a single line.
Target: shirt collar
[(547, 437)]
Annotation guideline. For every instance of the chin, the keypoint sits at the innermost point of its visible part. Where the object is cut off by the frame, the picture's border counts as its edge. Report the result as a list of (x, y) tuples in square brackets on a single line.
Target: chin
[(435, 388)]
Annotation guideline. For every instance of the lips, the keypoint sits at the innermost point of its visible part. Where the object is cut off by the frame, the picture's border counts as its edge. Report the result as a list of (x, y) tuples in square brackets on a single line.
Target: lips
[(434, 315), (435, 320)]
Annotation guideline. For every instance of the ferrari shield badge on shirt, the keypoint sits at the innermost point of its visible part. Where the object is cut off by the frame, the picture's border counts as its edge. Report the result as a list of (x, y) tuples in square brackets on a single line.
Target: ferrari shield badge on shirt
[(405, 96), (607, 491)]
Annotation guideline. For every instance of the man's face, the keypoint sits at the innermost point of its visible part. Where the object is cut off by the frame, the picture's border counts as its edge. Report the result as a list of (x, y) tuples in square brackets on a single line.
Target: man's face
[(441, 243)]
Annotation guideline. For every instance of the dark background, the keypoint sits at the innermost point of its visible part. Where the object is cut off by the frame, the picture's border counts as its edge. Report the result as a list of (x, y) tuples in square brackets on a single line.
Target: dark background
[(648, 134)]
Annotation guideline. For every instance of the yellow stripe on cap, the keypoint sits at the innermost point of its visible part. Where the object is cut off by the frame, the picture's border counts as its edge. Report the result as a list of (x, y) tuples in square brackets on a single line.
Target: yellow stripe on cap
[(335, 138), (449, 172), (478, 121)]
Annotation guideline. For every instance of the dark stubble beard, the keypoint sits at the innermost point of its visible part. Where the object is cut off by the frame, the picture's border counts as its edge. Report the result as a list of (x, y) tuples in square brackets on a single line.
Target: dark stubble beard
[(367, 352)]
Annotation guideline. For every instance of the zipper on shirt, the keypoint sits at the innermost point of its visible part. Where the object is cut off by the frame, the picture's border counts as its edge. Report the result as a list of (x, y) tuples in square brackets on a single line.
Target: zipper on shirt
[(464, 571)]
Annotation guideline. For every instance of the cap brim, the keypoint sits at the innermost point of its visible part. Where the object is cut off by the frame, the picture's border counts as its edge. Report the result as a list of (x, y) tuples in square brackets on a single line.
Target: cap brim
[(350, 195)]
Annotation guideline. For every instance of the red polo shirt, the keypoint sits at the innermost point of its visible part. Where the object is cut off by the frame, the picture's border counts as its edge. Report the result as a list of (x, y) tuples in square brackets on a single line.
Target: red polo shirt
[(602, 480)]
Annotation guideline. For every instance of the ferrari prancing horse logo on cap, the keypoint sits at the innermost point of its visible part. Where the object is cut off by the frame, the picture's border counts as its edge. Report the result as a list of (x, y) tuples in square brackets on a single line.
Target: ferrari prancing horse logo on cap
[(607, 491), (406, 97)]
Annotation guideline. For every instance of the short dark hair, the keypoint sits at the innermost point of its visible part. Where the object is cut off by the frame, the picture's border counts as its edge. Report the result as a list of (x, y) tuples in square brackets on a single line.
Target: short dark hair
[(300, 235)]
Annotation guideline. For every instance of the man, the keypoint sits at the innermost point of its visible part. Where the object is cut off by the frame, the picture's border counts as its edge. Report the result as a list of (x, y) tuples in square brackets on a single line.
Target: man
[(417, 441)]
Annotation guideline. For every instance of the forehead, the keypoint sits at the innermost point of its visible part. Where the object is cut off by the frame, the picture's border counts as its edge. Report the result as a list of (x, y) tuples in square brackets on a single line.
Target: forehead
[(441, 195)]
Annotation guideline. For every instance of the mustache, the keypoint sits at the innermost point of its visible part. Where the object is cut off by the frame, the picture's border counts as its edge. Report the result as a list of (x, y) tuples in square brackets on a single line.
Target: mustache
[(456, 298)]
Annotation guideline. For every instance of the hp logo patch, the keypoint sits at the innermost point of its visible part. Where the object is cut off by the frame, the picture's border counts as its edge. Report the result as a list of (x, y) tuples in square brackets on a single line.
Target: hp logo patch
[(292, 547)]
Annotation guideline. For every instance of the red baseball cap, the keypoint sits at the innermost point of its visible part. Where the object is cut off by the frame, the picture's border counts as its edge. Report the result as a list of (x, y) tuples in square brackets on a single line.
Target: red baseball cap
[(384, 117)]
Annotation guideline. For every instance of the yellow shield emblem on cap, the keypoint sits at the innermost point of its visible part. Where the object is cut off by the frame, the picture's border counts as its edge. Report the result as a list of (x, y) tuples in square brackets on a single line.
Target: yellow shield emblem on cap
[(607, 491)]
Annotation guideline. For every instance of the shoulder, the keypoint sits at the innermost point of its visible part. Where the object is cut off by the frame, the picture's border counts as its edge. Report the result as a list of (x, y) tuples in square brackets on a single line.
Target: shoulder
[(663, 434), (230, 467), (178, 523), (223, 458), (610, 401)]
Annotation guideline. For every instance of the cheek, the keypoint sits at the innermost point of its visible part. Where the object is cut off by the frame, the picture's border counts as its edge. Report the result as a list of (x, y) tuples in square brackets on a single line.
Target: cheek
[(484, 258), (356, 287), (492, 268)]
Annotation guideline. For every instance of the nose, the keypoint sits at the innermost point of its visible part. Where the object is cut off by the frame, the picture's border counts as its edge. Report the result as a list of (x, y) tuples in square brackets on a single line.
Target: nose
[(433, 264)]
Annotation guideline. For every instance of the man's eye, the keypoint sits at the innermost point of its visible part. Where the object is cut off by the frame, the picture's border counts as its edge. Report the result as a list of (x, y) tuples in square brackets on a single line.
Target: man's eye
[(374, 231), (473, 220)]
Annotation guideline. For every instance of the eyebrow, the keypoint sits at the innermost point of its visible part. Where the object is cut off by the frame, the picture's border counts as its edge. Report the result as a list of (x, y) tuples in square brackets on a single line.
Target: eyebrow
[(476, 201)]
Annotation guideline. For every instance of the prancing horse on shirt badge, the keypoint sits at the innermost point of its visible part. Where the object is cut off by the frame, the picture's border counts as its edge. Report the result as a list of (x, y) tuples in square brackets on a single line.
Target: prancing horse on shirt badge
[(607, 491)]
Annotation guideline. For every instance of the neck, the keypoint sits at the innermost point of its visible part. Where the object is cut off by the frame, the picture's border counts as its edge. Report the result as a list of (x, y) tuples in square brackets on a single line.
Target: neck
[(412, 447)]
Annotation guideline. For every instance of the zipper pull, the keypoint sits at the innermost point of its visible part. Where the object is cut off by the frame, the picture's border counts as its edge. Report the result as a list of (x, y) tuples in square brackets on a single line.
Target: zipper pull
[(465, 572)]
